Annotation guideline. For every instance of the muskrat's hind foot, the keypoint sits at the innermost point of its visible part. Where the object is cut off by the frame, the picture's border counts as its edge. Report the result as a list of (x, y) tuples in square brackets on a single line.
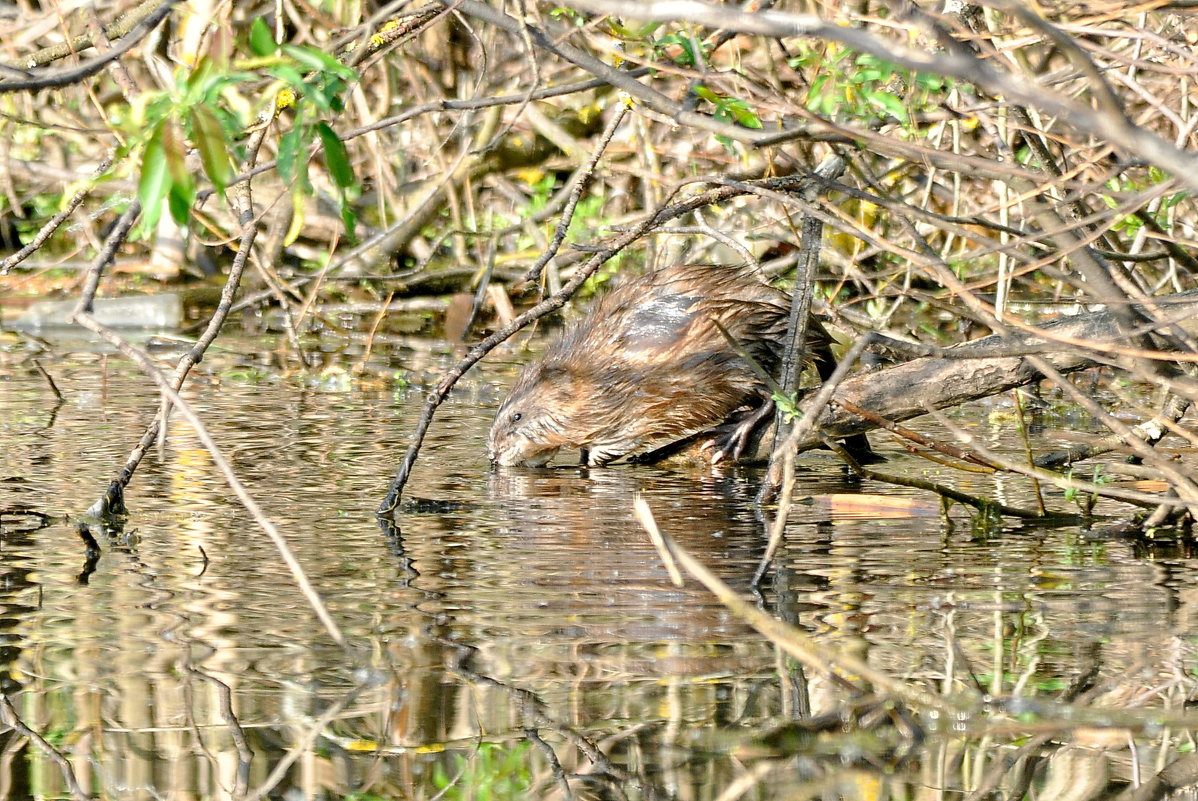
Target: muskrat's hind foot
[(732, 437)]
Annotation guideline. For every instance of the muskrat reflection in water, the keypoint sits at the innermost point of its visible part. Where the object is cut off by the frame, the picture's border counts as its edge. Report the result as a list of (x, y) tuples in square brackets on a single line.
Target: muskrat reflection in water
[(648, 366)]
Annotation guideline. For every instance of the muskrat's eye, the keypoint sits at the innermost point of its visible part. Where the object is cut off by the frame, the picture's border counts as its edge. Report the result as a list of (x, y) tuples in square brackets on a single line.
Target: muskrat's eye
[(517, 417)]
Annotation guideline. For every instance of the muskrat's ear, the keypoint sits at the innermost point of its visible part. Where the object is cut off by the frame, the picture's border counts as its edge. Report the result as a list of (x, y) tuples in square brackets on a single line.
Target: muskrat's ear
[(557, 375), (559, 381)]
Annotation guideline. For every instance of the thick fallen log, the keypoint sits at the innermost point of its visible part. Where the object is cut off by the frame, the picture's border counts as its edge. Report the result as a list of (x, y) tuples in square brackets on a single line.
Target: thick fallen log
[(913, 388)]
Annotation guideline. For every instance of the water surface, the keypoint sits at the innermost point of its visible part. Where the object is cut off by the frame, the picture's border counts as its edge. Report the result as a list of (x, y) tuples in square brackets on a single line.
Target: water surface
[(516, 632)]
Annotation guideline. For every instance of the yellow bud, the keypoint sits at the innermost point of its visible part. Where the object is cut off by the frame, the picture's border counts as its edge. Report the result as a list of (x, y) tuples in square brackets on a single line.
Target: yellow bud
[(530, 175)]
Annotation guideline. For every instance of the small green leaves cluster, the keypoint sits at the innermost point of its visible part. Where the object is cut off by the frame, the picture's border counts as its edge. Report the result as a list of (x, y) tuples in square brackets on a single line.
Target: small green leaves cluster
[(686, 49), (191, 110), (1125, 184), (683, 48), (318, 92), (729, 109), (1085, 501), (788, 404), (575, 18), (860, 86), (205, 109), (987, 522), (587, 223), (542, 186)]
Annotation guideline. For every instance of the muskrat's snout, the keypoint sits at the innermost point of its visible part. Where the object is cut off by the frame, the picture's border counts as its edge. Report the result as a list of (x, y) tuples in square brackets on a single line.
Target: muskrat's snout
[(513, 458), (511, 442), (516, 450)]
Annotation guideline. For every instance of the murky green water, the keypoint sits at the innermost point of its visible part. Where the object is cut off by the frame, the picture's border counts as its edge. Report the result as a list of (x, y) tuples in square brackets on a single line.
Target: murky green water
[(523, 636)]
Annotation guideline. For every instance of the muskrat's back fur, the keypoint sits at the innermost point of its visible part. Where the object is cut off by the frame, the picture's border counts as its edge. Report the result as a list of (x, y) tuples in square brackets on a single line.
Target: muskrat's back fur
[(646, 367)]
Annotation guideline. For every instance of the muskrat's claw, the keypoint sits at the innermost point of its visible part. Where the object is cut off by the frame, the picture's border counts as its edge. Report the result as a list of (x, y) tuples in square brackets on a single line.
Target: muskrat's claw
[(729, 445), (735, 434)]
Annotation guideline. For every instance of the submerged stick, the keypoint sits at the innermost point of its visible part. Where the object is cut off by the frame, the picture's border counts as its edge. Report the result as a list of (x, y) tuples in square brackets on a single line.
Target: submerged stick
[(222, 464), (779, 477), (112, 501)]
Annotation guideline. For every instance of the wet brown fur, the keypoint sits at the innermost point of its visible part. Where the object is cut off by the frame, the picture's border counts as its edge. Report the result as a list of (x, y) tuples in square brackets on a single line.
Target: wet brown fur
[(646, 367)]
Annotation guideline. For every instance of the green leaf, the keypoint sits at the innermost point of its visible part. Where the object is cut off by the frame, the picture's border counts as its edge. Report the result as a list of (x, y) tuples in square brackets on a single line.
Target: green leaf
[(200, 74), (291, 150), (180, 199), (619, 29), (319, 95), (336, 89), (156, 109), (213, 145), (182, 189), (888, 103), (318, 60), (687, 57), (933, 83), (262, 41), (743, 114), (297, 215), (154, 180), (335, 156), (174, 150), (288, 75)]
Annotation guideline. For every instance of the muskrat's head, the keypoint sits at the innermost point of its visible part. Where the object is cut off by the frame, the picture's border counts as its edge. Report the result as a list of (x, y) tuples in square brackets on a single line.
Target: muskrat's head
[(535, 421)]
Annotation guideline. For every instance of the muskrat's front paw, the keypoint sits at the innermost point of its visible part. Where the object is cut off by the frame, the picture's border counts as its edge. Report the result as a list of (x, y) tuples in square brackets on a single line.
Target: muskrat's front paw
[(730, 439)]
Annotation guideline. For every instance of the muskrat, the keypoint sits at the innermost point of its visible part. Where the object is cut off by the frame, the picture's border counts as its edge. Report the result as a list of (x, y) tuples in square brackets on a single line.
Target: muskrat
[(648, 366)]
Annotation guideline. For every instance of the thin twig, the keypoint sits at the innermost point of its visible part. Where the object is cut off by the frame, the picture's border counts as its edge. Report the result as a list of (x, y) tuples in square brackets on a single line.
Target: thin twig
[(49, 379), (582, 180), (57, 220), (644, 516), (69, 75)]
